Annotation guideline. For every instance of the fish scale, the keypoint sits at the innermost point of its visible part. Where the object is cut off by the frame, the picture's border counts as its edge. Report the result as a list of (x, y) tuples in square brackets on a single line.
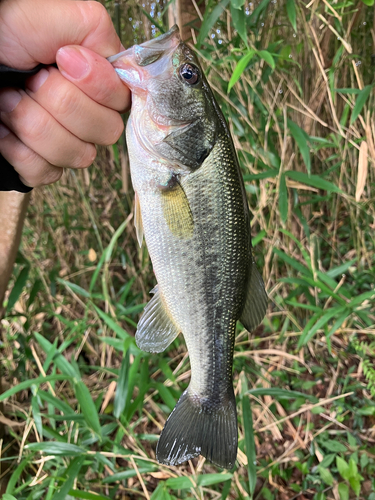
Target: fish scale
[(192, 210)]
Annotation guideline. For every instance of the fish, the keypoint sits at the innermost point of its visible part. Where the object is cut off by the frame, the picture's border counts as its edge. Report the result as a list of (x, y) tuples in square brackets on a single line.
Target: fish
[(192, 211)]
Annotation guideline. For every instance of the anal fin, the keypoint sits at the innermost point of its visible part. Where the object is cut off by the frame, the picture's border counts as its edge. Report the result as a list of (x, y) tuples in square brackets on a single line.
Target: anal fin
[(255, 306), (138, 220), (156, 330)]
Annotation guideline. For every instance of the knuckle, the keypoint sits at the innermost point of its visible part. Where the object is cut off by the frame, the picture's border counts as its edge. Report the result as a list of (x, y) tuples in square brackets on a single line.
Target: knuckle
[(51, 175), (86, 157), (113, 132), (67, 102), (99, 12)]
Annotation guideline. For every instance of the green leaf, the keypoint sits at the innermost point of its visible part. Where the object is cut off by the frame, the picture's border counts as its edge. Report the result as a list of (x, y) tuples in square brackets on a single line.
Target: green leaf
[(343, 491), (161, 492), (326, 475), (347, 91), (267, 56), (292, 262), (342, 467), (111, 323), (126, 474), (249, 443), (239, 22), (88, 407), (86, 495), (353, 469), (370, 3), (210, 479), (237, 4), (28, 383), (240, 68), (312, 180), (75, 288), (70, 475), (122, 386), (166, 395), (59, 360), (334, 446), (283, 199), (262, 175), (179, 483), (6, 496), (210, 19), (281, 393), (301, 139), (355, 484), (360, 102), (310, 329), (18, 287), (292, 14), (56, 448), (15, 476)]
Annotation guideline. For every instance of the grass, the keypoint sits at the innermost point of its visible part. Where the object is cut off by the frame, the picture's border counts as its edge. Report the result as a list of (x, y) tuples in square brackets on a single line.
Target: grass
[(83, 407)]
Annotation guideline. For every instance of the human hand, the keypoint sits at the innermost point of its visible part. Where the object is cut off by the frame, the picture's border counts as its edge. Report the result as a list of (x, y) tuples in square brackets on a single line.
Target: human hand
[(55, 122)]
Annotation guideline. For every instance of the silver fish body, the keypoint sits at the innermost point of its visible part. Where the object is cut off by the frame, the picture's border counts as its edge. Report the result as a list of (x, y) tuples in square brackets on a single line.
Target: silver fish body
[(192, 209)]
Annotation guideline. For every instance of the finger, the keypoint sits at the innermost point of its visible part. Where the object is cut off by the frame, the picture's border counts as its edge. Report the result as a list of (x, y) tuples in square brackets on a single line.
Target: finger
[(33, 169), (38, 130), (48, 25), (94, 75), (73, 109)]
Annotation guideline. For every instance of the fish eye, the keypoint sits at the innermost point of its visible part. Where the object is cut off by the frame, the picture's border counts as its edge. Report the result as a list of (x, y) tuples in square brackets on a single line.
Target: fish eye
[(190, 73)]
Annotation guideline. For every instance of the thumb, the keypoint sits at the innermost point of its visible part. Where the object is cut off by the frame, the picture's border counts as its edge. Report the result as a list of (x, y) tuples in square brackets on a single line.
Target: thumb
[(47, 25)]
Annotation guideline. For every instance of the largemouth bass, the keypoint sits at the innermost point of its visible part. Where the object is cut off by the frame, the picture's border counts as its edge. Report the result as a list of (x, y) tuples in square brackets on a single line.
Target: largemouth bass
[(191, 208)]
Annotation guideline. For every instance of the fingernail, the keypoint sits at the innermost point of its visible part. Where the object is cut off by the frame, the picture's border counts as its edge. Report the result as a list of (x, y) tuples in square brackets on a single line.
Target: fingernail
[(35, 82), (4, 131), (71, 62), (9, 100)]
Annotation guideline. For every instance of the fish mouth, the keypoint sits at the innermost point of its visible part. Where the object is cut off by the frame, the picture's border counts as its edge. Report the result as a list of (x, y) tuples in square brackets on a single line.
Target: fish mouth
[(131, 64)]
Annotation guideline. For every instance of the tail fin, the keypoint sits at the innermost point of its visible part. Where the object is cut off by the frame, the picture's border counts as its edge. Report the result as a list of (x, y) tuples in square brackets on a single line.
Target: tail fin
[(200, 426)]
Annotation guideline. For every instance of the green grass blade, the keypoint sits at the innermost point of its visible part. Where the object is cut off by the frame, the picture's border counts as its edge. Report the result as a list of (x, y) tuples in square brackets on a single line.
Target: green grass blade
[(249, 444), (122, 386), (70, 475), (16, 475), (313, 180), (301, 139), (56, 448), (87, 496), (28, 383), (210, 19), (283, 199), (239, 21), (292, 13), (88, 407), (240, 68), (360, 102), (18, 287), (210, 479), (111, 323)]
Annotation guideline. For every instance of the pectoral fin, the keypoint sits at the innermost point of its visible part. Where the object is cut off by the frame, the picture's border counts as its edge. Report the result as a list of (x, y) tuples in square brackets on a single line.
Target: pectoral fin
[(156, 330), (138, 220), (176, 209), (255, 301)]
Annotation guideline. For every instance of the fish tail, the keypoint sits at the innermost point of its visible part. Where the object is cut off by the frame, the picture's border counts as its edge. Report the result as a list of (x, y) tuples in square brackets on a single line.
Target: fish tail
[(200, 426)]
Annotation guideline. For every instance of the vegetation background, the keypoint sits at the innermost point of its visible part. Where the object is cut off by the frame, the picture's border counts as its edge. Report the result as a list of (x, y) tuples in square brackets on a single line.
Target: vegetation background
[(82, 406)]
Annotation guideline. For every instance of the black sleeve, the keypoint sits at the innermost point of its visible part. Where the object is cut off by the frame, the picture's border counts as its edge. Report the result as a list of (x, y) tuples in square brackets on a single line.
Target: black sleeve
[(9, 179)]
